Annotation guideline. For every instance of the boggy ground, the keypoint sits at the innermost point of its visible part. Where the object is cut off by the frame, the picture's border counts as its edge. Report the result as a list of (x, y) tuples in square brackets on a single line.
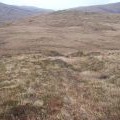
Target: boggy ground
[(52, 86)]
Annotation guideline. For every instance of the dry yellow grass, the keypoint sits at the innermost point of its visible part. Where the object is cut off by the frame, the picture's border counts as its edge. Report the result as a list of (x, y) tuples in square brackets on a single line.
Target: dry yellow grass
[(45, 88)]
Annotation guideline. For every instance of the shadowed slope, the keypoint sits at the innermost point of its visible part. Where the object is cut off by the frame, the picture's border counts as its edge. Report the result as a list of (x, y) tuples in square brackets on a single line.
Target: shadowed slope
[(10, 12), (108, 8)]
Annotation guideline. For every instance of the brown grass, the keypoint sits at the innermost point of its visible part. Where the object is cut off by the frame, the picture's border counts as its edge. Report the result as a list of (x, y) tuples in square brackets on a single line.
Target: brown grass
[(47, 88), (61, 66)]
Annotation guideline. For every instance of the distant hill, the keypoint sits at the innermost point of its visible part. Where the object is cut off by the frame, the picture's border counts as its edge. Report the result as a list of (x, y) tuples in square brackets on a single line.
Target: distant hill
[(10, 12), (107, 8)]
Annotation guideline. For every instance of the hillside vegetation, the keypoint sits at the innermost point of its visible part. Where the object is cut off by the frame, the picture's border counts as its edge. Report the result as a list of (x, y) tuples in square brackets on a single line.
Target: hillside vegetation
[(60, 66), (45, 87)]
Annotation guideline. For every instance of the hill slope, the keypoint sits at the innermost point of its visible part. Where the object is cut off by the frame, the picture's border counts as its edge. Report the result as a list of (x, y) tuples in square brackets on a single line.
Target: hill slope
[(64, 31), (61, 66), (10, 12), (108, 8)]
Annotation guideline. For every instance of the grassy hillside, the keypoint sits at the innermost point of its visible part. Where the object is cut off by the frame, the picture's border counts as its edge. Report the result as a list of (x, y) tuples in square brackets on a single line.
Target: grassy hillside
[(61, 66)]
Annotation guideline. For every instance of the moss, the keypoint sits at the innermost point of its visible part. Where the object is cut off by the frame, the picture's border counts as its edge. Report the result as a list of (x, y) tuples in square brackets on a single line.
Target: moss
[(23, 112), (52, 53), (10, 103), (2, 67)]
